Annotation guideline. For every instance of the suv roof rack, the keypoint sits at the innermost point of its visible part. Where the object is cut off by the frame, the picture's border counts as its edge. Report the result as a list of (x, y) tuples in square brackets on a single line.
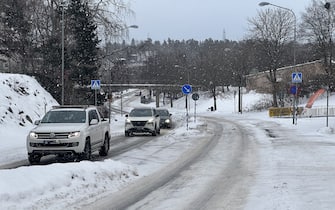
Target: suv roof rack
[(71, 106)]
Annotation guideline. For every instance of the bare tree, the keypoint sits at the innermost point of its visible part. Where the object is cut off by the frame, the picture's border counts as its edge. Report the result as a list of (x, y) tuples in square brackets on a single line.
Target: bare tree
[(272, 28), (46, 20), (318, 27), (110, 16)]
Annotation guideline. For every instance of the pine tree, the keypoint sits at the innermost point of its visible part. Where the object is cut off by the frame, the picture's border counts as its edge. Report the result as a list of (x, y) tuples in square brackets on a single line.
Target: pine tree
[(83, 50), (14, 33)]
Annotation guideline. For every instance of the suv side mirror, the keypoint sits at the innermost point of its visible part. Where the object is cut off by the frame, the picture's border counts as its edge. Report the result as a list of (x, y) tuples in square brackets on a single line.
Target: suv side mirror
[(94, 122)]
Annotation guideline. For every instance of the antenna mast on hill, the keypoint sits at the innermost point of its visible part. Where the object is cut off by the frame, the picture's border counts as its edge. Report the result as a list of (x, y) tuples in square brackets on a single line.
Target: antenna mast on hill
[(224, 35)]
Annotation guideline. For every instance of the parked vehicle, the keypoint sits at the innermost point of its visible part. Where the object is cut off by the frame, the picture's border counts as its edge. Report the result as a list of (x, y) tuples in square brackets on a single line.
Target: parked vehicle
[(165, 118), (142, 120), (69, 132)]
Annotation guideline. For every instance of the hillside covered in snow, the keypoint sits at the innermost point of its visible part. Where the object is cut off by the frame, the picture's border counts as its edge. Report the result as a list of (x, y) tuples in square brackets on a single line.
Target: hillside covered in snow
[(18, 88)]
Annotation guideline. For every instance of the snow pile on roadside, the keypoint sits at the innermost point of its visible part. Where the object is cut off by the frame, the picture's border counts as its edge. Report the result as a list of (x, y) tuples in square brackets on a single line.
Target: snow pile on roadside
[(69, 183)]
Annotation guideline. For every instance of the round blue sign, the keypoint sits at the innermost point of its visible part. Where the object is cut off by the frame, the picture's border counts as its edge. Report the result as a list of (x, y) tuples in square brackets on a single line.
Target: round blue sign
[(186, 89), (294, 89)]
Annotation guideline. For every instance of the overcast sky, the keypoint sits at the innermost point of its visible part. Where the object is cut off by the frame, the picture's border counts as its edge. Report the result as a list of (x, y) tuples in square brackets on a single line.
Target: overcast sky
[(198, 19)]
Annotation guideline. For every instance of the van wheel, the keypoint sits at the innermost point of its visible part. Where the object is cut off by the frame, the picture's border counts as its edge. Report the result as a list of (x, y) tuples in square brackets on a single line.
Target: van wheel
[(105, 148)]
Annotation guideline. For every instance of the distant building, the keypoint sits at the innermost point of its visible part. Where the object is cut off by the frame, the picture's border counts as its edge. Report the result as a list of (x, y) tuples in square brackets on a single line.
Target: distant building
[(261, 83)]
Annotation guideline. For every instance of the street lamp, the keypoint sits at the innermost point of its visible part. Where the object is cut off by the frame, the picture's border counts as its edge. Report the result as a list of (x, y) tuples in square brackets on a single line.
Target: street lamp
[(133, 26), (295, 25), (120, 31), (327, 6), (187, 105), (294, 51), (62, 5)]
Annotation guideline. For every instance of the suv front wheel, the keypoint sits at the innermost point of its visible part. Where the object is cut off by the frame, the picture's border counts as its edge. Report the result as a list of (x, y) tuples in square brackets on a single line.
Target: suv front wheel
[(105, 147), (87, 153), (154, 132), (34, 159)]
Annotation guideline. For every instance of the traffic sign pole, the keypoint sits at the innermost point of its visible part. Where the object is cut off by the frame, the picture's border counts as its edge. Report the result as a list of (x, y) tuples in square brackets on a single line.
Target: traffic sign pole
[(195, 111), (296, 79), (186, 89), (95, 97), (186, 113), (195, 97)]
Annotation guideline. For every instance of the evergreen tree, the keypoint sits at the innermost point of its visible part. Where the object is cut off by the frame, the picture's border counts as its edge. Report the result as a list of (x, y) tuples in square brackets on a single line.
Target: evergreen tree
[(15, 31), (83, 44)]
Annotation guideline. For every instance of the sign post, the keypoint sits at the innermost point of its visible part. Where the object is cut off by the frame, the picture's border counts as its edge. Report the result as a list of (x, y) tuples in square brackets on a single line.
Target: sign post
[(95, 85), (296, 79), (195, 97), (186, 89)]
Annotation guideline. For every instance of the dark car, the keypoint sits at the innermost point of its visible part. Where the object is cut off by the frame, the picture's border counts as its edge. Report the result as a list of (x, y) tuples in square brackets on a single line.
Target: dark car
[(165, 115)]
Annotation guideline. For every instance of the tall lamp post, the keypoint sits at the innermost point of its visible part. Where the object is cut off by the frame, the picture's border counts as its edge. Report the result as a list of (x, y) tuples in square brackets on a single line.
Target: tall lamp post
[(62, 5), (188, 81), (327, 6), (294, 53)]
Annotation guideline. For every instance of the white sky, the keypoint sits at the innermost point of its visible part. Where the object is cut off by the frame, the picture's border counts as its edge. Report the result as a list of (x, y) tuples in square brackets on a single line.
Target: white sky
[(198, 19), (290, 177)]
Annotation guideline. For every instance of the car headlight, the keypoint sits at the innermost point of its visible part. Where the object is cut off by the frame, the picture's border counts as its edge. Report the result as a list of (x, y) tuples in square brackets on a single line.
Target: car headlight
[(167, 121), (33, 135), (74, 134), (150, 120), (128, 121)]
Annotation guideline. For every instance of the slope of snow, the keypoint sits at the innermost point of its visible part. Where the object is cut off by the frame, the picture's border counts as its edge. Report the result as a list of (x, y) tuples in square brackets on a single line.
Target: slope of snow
[(23, 101)]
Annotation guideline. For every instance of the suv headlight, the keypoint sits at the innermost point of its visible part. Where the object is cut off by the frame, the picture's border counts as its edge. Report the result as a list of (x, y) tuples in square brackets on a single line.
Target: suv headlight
[(151, 120), (74, 134), (33, 135), (128, 121)]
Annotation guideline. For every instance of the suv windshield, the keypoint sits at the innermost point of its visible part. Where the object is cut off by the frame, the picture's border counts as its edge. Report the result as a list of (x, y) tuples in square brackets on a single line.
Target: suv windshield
[(64, 117), (140, 113)]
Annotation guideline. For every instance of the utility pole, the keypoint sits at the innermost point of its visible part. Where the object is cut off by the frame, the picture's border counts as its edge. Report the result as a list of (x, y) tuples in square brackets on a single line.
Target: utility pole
[(62, 4)]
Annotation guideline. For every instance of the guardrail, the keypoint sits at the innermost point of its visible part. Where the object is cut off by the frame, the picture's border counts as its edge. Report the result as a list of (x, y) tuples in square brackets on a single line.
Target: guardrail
[(317, 111)]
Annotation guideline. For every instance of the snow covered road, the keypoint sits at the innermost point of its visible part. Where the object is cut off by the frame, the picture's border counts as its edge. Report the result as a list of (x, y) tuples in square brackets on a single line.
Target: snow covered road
[(213, 174)]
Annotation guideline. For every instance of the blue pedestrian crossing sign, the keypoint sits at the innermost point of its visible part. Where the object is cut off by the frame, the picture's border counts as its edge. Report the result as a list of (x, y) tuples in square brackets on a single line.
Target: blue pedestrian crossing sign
[(296, 77), (95, 84)]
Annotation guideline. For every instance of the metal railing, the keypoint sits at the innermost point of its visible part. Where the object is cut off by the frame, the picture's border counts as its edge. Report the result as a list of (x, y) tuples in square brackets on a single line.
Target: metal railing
[(318, 111), (315, 111)]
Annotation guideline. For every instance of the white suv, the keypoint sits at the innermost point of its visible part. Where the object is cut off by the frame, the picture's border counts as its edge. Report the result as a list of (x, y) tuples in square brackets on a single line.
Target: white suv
[(70, 132), (142, 120)]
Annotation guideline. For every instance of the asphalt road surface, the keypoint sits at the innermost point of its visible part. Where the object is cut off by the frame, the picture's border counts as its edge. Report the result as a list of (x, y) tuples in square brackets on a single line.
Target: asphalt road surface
[(215, 174)]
